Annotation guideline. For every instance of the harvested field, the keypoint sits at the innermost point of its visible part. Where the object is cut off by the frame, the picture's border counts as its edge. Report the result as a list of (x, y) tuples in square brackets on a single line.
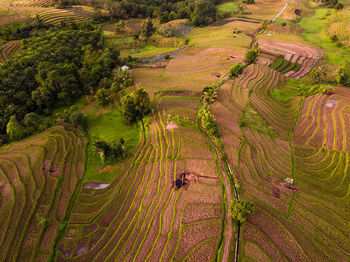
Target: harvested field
[(183, 73), (33, 200)]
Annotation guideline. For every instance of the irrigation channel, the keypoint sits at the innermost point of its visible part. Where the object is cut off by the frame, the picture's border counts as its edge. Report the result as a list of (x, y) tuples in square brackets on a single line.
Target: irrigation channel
[(222, 163)]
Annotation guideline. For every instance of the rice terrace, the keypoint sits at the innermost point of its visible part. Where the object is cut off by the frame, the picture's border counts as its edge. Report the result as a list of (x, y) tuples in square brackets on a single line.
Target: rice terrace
[(187, 130)]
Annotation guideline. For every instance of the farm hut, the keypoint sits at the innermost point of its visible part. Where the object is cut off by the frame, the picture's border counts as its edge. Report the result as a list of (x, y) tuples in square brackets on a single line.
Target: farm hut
[(125, 67)]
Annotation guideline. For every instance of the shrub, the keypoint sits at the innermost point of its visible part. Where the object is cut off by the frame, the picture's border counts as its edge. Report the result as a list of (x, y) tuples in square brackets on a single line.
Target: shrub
[(241, 209), (166, 56)]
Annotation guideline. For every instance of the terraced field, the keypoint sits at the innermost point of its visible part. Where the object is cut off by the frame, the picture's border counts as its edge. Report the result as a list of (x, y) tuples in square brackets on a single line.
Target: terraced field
[(11, 19), (339, 25), (8, 50), (37, 179), (292, 60), (304, 221), (56, 16), (33, 3), (141, 215)]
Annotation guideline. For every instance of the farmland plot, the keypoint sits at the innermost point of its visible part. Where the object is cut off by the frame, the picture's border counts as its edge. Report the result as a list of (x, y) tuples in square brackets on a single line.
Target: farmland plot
[(142, 215), (38, 177)]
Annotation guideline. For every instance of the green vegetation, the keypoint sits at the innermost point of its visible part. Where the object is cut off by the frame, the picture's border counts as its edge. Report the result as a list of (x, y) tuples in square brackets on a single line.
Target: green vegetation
[(110, 128), (228, 7), (253, 120), (54, 78), (236, 70), (315, 32), (208, 121), (241, 209), (250, 56)]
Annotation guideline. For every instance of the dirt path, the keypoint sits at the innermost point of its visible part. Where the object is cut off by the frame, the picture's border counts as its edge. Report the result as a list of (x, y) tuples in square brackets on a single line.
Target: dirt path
[(284, 8), (253, 36)]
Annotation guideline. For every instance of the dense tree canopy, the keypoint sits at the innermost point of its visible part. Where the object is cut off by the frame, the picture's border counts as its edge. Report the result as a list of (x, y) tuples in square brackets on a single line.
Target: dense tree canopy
[(54, 67)]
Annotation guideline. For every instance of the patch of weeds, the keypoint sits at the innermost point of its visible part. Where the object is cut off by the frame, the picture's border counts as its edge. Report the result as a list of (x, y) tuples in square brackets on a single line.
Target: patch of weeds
[(180, 121), (295, 88), (253, 120)]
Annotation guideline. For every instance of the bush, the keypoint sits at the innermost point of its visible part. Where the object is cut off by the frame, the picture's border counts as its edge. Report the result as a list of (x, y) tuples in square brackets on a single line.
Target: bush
[(236, 70), (166, 56), (250, 56), (241, 209)]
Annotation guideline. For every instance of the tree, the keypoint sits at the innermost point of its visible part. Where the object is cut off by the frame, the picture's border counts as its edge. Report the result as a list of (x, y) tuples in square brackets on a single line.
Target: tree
[(250, 56), (339, 6), (241, 209), (343, 77), (121, 79), (236, 70), (320, 74), (210, 94), (208, 121), (135, 106), (120, 26), (109, 153), (32, 120), (147, 29), (204, 12), (103, 97), (14, 130), (78, 119)]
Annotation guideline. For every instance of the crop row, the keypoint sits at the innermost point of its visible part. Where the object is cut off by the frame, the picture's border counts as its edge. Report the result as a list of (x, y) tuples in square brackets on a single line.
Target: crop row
[(141, 215), (56, 16), (32, 175), (34, 3), (162, 41), (324, 122), (8, 50), (281, 115), (284, 66)]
